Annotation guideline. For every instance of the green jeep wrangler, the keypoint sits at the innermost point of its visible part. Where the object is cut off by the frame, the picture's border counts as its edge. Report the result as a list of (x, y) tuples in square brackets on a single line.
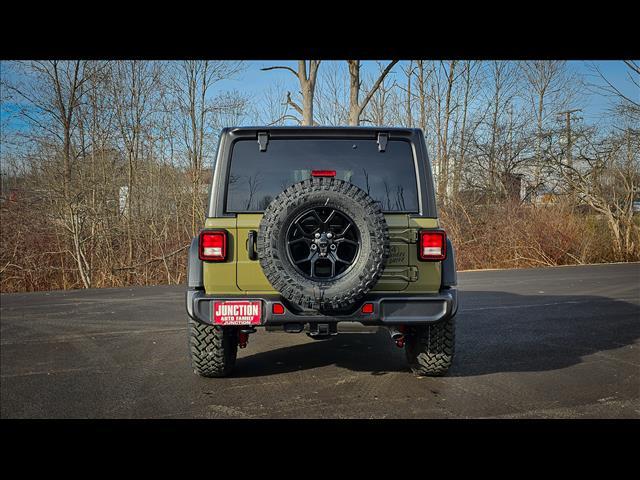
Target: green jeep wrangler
[(311, 226)]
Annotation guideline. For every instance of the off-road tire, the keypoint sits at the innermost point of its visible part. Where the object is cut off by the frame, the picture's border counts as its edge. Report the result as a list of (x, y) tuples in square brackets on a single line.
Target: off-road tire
[(430, 348), (213, 349), (340, 293)]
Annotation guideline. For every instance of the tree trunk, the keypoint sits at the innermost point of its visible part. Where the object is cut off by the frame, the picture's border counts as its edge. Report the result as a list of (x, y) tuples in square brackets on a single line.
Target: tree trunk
[(354, 91), (444, 183), (307, 105), (460, 163)]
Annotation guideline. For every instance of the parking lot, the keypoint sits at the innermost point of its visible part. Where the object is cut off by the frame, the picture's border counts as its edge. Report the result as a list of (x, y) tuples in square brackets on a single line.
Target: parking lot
[(539, 343)]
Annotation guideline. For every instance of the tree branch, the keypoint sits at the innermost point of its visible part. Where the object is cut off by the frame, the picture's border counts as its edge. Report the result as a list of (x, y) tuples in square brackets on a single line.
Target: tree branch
[(293, 104), (280, 67), (376, 85)]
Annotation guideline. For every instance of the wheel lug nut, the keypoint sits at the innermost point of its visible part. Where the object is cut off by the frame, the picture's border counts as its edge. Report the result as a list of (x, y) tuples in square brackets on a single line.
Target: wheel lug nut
[(332, 246), (313, 246), (329, 235), (317, 235)]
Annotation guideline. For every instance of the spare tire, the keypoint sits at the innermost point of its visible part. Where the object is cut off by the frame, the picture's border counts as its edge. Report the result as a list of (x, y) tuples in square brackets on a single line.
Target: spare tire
[(323, 244)]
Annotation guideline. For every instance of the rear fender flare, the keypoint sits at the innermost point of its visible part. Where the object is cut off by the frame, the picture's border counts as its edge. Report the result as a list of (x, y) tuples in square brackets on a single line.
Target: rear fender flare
[(449, 274)]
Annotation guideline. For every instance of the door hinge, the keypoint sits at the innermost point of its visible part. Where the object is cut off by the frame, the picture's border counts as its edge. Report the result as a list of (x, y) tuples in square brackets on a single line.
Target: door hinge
[(413, 274), (408, 274), (382, 141), (263, 140), (408, 235)]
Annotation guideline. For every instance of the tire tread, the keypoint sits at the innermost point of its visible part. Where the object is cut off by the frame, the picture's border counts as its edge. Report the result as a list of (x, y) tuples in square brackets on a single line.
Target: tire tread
[(308, 294), (213, 349), (430, 348)]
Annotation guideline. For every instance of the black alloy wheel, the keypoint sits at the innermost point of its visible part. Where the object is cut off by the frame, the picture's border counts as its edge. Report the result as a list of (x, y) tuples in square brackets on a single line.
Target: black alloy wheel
[(323, 243)]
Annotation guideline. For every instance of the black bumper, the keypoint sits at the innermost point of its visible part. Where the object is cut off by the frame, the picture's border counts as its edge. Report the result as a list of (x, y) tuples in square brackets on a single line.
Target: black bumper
[(387, 309)]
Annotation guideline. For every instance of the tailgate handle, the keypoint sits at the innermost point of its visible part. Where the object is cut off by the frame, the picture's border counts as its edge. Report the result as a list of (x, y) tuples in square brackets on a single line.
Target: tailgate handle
[(251, 245)]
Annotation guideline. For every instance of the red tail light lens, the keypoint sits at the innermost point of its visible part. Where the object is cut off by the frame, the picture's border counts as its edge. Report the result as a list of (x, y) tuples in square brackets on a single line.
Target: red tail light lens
[(433, 245), (367, 308), (213, 245), (277, 309), (323, 173)]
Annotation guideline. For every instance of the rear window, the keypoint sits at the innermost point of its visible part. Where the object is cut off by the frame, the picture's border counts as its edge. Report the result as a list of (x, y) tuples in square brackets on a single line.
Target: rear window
[(256, 177)]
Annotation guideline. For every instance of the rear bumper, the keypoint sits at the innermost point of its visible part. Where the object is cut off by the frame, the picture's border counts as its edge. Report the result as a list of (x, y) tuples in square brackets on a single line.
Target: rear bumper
[(387, 309)]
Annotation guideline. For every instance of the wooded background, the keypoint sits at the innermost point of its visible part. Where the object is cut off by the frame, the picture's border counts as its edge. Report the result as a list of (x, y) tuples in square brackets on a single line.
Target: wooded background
[(105, 178)]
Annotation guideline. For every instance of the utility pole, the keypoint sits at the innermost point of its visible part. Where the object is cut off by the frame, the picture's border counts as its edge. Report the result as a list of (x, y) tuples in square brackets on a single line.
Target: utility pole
[(510, 130), (568, 113)]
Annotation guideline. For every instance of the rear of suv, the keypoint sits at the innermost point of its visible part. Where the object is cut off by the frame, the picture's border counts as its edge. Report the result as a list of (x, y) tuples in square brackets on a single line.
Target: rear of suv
[(311, 226)]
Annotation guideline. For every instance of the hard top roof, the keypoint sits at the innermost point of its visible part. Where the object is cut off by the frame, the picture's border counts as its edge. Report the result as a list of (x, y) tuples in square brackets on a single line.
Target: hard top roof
[(321, 131)]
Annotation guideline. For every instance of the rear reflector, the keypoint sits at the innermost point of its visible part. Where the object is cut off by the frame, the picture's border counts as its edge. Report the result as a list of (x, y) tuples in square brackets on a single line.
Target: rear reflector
[(367, 308), (277, 309), (432, 245), (213, 245), (323, 173)]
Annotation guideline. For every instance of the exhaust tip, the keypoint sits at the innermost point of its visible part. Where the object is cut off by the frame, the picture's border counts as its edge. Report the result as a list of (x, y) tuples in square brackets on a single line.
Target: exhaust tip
[(395, 333)]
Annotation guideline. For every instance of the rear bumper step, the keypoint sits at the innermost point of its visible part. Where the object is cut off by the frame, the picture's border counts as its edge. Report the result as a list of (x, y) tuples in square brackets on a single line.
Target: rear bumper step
[(387, 309)]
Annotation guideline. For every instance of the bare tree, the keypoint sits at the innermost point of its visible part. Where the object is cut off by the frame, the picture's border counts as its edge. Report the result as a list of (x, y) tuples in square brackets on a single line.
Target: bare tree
[(332, 96), (550, 87), (272, 110), (469, 72), (134, 86), (192, 81), (627, 105), (356, 107), (423, 77), (444, 161), (104, 165), (307, 78), (502, 89), (382, 102), (53, 98), (606, 176)]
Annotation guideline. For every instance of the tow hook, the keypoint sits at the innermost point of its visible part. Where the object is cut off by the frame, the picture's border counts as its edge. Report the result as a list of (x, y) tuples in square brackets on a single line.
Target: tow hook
[(397, 334)]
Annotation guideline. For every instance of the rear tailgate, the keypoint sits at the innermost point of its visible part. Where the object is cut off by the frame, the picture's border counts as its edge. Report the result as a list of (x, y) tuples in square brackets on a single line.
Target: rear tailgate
[(250, 277), (404, 271), (396, 277)]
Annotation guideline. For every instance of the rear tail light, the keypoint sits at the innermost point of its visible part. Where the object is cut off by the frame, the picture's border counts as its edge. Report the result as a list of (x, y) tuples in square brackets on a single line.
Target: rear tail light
[(323, 173), (432, 245), (277, 309), (213, 245)]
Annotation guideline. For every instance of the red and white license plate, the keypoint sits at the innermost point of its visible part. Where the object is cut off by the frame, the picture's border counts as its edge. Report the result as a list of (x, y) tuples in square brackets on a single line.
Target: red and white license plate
[(237, 312)]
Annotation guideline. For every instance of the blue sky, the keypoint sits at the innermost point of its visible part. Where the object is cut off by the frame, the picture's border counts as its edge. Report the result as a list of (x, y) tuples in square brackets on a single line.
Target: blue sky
[(253, 82)]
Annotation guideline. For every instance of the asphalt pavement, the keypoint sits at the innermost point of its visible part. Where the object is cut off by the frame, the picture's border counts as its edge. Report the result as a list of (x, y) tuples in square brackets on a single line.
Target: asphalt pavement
[(534, 343)]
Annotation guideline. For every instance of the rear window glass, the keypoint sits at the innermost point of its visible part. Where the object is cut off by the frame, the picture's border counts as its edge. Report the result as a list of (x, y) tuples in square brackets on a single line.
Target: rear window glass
[(256, 177)]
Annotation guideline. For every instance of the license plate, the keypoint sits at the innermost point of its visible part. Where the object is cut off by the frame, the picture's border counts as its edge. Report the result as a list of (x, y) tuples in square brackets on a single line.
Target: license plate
[(237, 313)]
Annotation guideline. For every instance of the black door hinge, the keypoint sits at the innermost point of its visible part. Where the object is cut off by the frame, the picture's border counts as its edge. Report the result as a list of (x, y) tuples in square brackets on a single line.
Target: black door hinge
[(382, 141), (263, 140)]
